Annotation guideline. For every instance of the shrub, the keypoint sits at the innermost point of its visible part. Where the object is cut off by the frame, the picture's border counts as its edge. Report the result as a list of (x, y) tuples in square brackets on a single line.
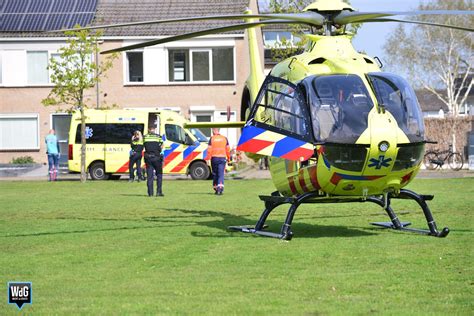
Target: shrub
[(22, 160)]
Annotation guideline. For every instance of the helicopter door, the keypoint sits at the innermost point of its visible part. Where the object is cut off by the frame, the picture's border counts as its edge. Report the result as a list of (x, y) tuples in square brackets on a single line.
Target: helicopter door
[(278, 124)]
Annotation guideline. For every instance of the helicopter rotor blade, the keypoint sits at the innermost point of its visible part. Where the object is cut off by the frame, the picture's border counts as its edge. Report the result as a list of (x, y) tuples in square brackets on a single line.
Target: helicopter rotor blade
[(347, 17), (200, 33), (310, 18), (421, 23)]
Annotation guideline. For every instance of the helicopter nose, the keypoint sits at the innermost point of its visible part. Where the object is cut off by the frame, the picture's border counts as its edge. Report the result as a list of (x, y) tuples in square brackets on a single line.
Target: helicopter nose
[(383, 150)]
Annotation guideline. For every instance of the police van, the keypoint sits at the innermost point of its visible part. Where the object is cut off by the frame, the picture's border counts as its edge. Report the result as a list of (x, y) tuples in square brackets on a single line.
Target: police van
[(108, 135)]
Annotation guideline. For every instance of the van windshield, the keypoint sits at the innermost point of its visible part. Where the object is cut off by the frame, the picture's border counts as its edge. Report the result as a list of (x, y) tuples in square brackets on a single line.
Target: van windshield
[(199, 135)]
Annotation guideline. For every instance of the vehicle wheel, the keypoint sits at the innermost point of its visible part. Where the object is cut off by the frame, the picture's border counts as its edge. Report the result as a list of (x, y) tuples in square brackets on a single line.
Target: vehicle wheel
[(428, 160), (199, 171), (97, 171), (455, 161)]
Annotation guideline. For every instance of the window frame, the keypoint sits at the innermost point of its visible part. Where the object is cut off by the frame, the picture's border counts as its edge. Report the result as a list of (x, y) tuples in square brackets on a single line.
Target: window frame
[(20, 116), (126, 67), (211, 80), (277, 40), (48, 71), (191, 64)]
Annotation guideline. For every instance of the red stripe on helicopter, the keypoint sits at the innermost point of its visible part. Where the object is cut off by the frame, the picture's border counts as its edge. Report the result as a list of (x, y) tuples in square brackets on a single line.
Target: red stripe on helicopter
[(336, 177), (185, 162), (301, 180), (314, 177), (254, 145), (291, 182), (298, 154), (406, 178), (171, 157)]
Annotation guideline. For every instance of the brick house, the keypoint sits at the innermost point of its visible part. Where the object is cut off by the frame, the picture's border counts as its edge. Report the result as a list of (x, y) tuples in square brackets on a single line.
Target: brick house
[(199, 78)]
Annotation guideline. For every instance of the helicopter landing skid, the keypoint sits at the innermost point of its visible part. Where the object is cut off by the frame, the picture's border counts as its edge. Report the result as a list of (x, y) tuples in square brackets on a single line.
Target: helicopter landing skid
[(271, 202), (275, 200), (402, 226)]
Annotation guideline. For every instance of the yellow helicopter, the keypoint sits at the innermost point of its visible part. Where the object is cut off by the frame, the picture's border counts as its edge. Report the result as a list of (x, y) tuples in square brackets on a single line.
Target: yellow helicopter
[(335, 128)]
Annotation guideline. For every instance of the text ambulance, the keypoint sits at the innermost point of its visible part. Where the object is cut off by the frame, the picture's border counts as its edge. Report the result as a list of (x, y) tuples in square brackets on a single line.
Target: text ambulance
[(108, 136)]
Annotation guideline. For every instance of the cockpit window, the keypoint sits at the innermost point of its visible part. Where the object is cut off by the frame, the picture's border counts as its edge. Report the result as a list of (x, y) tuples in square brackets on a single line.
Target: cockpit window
[(339, 107), (279, 106), (398, 98)]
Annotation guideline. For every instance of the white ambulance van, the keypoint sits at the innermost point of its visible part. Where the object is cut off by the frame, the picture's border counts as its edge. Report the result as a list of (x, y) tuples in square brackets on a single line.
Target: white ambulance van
[(108, 136)]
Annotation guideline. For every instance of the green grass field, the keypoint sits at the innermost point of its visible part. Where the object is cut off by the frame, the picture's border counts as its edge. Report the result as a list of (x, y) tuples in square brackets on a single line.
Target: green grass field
[(106, 248)]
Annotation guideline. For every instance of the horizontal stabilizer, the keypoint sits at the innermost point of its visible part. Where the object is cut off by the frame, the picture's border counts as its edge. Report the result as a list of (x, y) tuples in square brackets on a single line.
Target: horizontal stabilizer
[(214, 124)]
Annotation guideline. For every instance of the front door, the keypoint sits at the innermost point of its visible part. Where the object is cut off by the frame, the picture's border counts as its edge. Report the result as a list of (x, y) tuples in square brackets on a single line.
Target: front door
[(61, 124)]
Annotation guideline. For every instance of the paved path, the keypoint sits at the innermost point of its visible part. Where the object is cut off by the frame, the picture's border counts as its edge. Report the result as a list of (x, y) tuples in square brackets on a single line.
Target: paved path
[(248, 173)]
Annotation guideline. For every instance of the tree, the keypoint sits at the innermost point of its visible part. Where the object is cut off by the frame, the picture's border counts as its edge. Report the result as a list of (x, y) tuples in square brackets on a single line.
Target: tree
[(437, 59), (285, 47), (72, 74)]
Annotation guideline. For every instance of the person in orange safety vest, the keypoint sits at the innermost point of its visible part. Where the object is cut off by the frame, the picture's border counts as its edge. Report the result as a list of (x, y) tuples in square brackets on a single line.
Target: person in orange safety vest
[(219, 153)]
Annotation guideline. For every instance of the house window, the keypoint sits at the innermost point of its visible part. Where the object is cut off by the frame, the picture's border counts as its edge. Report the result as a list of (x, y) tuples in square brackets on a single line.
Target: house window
[(271, 38), (204, 118), (223, 64), (179, 65), (37, 67), (199, 65), (19, 132), (135, 66)]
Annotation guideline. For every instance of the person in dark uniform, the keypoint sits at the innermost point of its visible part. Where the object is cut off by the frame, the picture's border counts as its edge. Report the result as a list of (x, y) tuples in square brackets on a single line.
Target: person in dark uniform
[(136, 156), (154, 161)]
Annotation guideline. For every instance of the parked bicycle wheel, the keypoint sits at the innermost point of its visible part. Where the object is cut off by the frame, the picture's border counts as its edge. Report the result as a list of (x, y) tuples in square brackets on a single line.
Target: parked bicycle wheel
[(455, 161), (430, 159)]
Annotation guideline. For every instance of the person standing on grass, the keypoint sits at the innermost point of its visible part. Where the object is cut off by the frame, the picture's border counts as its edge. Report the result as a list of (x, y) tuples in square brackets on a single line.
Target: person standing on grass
[(219, 153), (154, 161), (52, 150), (136, 156)]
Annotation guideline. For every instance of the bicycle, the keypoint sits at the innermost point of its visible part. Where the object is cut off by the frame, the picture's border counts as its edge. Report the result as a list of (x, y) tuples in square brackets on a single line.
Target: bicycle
[(434, 159)]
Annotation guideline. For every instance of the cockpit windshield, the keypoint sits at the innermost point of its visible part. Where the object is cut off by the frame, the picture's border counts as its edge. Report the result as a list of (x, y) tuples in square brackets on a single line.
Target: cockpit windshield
[(398, 98), (339, 107)]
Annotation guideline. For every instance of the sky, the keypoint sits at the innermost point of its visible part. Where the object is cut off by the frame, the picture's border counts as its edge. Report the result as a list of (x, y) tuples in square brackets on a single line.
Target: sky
[(372, 36)]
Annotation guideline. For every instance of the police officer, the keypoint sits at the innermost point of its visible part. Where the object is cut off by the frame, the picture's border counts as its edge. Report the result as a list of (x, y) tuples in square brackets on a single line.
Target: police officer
[(218, 150), (154, 161), (136, 156)]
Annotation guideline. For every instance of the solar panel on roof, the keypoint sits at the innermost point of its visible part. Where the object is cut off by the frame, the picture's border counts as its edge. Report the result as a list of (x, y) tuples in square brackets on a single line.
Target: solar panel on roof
[(45, 15), (39, 6), (15, 6)]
